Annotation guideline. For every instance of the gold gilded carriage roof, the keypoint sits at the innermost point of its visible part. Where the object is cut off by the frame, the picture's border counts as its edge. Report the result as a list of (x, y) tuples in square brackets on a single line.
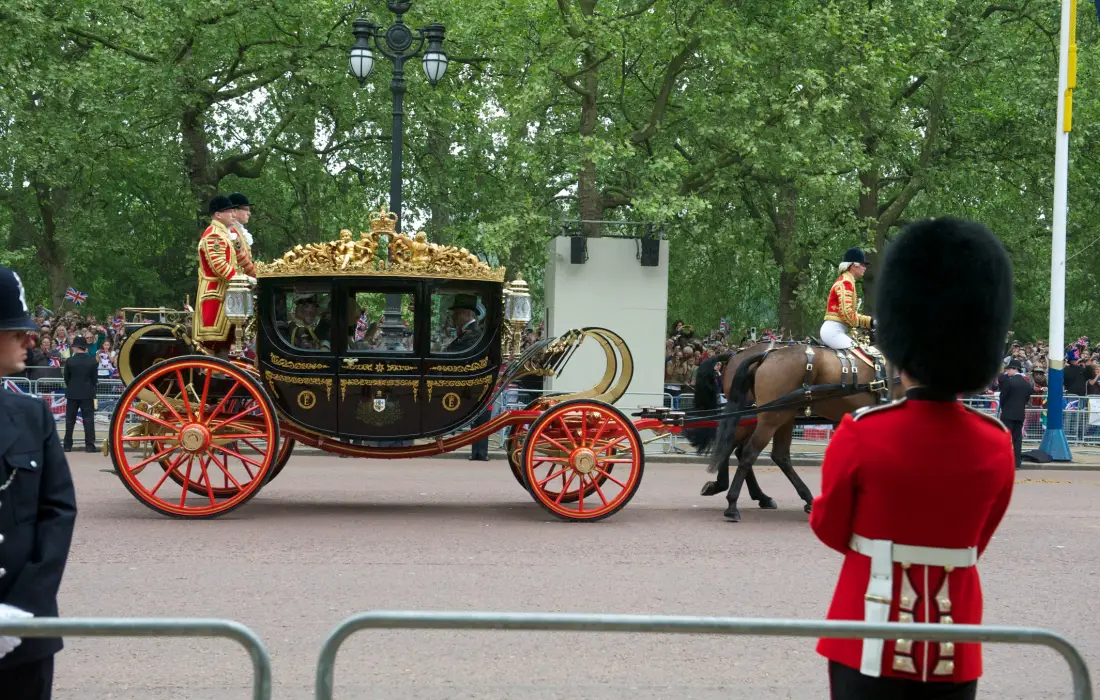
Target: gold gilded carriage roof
[(381, 253)]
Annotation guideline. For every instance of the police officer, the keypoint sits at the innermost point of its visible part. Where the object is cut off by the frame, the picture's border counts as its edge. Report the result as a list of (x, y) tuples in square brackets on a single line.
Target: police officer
[(81, 381), (37, 510), (912, 491)]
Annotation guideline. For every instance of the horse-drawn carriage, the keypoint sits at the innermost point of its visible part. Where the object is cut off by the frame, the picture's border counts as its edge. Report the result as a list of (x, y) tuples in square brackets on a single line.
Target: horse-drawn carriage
[(342, 349)]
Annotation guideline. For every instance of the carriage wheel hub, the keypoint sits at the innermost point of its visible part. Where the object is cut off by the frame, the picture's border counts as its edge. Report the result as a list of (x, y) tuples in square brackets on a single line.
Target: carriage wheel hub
[(584, 460), (194, 438)]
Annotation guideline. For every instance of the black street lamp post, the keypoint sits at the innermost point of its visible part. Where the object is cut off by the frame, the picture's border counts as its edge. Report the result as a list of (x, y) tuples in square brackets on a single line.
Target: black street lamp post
[(399, 44)]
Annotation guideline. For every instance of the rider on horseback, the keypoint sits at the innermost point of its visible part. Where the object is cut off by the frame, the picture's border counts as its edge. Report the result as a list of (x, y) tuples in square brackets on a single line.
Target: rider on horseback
[(840, 312)]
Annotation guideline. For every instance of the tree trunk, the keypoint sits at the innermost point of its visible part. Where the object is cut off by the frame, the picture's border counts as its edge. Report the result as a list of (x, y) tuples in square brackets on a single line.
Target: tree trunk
[(48, 249), (791, 260), (868, 217), (588, 191), (196, 155), (439, 227)]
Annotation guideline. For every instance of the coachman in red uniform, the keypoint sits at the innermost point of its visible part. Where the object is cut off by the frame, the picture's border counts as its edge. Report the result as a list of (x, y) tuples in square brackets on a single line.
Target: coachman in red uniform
[(912, 492), (218, 264)]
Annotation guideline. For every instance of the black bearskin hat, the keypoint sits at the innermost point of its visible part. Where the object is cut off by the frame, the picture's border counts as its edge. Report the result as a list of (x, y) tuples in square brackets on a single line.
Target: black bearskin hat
[(942, 282)]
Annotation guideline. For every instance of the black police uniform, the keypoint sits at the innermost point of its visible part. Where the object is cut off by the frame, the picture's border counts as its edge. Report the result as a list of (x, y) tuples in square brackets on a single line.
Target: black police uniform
[(1015, 392), (81, 379), (37, 515)]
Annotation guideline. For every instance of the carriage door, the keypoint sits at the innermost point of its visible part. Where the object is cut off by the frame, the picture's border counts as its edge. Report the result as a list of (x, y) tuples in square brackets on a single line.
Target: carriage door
[(296, 357), (379, 369)]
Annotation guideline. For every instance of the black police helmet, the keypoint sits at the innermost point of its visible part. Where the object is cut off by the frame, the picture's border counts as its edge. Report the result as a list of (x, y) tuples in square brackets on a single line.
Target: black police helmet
[(14, 314), (941, 281), (220, 203)]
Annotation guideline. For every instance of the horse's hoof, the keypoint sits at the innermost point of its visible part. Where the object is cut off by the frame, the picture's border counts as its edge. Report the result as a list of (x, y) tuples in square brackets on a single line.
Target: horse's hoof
[(711, 488), (732, 514), (767, 504), (808, 507)]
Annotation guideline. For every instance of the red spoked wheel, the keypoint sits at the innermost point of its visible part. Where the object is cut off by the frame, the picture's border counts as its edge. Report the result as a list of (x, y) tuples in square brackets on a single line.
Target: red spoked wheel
[(583, 460), (213, 432), (222, 485)]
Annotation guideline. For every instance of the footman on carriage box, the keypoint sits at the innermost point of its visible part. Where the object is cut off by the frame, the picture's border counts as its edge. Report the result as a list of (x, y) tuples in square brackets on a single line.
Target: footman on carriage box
[(912, 492), (37, 510)]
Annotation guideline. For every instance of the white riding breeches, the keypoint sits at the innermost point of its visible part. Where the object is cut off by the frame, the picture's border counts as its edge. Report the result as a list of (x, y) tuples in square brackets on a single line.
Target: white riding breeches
[(835, 335)]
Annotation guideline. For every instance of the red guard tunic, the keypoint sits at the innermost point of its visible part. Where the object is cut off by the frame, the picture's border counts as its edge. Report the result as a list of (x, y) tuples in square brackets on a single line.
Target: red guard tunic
[(217, 265), (919, 474), (842, 303)]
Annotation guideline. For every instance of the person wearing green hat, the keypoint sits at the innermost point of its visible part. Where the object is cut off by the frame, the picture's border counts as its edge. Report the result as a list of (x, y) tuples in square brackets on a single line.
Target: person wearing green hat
[(37, 509)]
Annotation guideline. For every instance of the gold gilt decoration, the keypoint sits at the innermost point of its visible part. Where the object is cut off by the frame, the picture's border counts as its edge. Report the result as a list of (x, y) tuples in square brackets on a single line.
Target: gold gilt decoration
[(288, 364), (414, 383), (407, 256), (472, 367), (378, 367), (484, 382), (272, 377)]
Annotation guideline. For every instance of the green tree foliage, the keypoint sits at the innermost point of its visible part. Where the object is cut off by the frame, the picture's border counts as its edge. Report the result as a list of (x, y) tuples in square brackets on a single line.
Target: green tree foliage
[(763, 138)]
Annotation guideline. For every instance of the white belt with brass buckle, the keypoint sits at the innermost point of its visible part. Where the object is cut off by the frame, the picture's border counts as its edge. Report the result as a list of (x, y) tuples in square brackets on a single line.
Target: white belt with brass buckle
[(880, 587)]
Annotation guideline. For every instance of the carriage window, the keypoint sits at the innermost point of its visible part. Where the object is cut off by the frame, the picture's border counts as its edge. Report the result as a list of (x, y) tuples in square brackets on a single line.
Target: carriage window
[(458, 320), (303, 317), (369, 329)]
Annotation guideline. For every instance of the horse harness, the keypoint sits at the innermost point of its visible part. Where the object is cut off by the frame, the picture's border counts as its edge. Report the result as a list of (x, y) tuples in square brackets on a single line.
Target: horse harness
[(849, 376)]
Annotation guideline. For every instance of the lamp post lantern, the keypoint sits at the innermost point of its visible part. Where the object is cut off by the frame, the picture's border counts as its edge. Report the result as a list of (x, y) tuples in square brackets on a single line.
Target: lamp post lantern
[(399, 43)]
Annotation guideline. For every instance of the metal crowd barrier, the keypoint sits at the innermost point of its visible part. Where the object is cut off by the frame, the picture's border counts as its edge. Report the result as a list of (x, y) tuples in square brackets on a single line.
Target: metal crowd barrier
[(53, 390), (666, 624), (153, 627)]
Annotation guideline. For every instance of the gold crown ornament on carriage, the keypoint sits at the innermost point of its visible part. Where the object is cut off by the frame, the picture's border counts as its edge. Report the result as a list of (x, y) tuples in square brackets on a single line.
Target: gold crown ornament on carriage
[(381, 252)]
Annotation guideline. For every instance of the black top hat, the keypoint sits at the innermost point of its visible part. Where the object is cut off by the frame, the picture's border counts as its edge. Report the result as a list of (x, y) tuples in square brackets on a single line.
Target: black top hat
[(239, 200), (854, 255), (14, 314), (465, 301), (943, 279), (220, 203)]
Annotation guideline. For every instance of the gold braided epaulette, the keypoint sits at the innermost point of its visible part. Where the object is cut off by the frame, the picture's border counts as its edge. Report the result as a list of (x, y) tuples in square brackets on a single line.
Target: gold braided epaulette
[(868, 410), (989, 417)]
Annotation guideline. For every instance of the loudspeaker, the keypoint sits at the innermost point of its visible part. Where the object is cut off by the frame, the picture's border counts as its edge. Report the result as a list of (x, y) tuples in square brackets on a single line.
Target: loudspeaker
[(578, 250), (651, 252)]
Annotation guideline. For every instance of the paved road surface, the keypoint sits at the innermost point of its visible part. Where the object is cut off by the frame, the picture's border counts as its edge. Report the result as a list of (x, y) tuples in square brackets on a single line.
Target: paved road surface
[(332, 537)]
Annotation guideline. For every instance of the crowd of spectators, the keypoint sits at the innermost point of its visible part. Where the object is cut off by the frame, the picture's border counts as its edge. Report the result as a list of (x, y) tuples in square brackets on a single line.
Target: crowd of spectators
[(51, 346)]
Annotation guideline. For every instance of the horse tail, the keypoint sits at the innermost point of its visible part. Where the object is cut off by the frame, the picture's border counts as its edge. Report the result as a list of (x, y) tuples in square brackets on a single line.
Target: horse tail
[(739, 400), (706, 398)]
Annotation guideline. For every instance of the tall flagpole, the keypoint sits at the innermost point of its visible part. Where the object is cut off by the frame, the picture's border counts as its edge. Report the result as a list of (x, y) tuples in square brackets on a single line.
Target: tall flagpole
[(1054, 439)]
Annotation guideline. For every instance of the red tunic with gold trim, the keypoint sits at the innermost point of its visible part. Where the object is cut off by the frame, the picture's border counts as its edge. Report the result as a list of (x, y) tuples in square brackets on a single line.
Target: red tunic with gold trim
[(933, 475), (217, 265), (842, 303)]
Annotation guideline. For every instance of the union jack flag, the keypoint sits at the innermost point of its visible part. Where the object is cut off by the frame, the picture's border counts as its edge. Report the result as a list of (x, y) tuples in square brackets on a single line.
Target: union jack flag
[(12, 387), (361, 327), (75, 296)]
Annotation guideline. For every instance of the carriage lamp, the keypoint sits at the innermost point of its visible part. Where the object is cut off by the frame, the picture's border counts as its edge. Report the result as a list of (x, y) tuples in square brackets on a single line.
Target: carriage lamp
[(238, 309), (517, 314)]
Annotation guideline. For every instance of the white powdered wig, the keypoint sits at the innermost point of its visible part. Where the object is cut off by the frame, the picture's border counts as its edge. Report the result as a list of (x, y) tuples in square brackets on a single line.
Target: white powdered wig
[(843, 267)]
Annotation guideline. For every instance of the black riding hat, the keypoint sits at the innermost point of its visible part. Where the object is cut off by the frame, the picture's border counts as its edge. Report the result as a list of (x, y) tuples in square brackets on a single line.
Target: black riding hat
[(854, 255), (14, 314), (941, 280), (238, 200), (220, 203)]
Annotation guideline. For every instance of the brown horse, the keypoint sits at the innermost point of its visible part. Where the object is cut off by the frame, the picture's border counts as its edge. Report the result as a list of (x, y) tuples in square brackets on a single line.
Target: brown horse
[(765, 373)]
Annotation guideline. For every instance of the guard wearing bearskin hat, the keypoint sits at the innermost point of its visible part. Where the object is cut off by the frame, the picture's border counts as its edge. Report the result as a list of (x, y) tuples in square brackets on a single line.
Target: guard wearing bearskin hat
[(218, 264), (912, 491), (841, 311)]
